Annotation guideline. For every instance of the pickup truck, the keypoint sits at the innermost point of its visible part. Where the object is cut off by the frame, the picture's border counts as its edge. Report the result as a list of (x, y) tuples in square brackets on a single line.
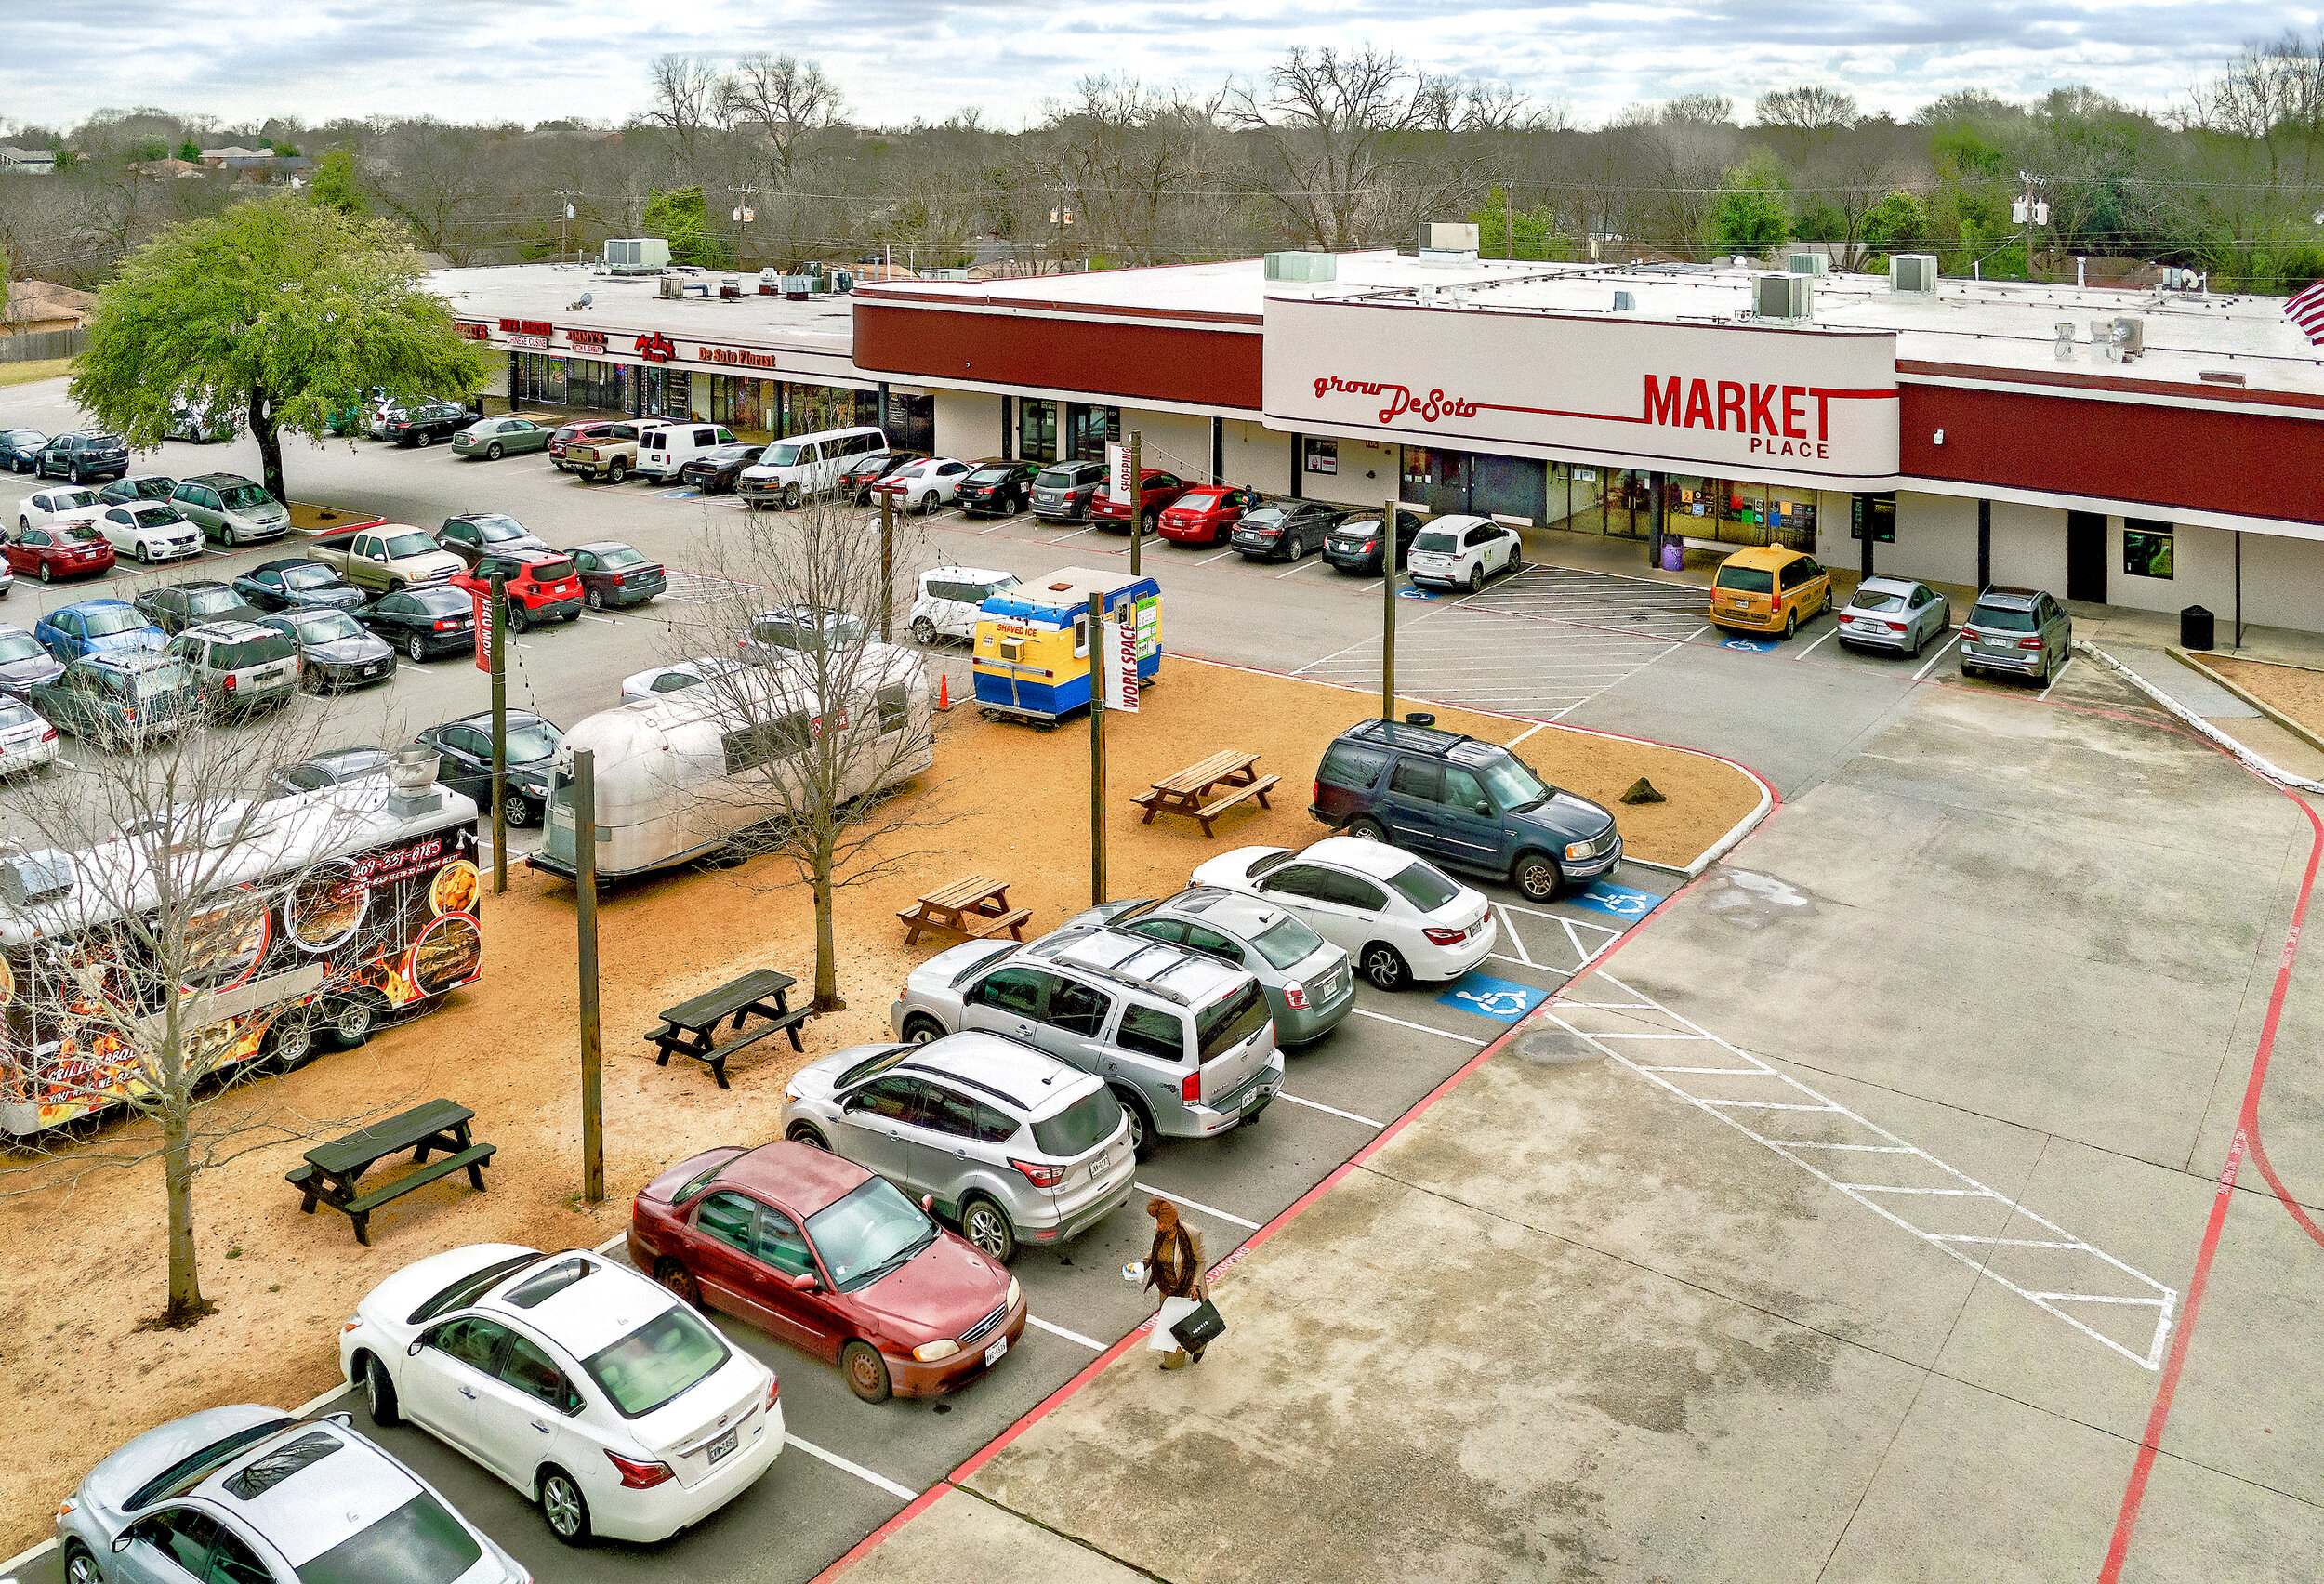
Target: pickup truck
[(611, 456), (390, 556)]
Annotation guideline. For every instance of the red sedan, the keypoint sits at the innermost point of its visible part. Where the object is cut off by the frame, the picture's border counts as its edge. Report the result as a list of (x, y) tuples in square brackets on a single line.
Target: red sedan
[(831, 1258), (59, 549), (1206, 514), (1156, 490)]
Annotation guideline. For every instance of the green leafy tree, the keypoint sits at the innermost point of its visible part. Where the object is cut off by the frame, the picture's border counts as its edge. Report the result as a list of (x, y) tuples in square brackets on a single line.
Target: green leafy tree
[(282, 308), (680, 216), (190, 151), (1535, 231), (284, 150), (333, 185), (1898, 223), (1753, 213)]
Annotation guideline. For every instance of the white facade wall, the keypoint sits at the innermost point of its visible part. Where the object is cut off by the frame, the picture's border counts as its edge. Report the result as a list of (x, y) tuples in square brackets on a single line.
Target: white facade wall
[(1369, 471), (968, 424), (1258, 456), (1175, 443)]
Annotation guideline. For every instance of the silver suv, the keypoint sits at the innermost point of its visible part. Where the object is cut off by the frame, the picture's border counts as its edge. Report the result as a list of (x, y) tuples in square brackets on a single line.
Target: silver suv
[(1310, 987), (2023, 631), (1014, 1145), (239, 665), (1185, 1042)]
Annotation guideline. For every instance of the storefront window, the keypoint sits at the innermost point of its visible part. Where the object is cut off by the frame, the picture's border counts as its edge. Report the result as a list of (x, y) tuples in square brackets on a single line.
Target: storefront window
[(812, 408), (599, 386), (2147, 547), (911, 421), (1089, 429), (1036, 431), (1323, 456), (743, 403), (1877, 512)]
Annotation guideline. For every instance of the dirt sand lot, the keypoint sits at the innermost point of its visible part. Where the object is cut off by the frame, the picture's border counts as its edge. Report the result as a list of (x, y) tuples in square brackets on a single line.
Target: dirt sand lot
[(82, 1264), (2295, 690)]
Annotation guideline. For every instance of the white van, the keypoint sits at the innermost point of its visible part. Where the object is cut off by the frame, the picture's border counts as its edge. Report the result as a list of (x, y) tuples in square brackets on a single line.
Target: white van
[(950, 598), (666, 446), (804, 464)]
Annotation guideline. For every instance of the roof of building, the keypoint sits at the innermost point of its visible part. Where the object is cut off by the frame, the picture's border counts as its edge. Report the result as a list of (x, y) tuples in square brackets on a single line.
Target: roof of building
[(630, 304), (32, 301)]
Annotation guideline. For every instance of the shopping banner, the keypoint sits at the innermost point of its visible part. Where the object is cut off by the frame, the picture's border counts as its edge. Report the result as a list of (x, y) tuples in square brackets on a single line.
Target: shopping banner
[(1118, 654), (480, 603), (1117, 472)]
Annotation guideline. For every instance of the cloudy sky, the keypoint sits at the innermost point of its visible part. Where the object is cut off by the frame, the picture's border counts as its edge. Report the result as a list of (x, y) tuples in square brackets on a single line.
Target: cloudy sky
[(528, 61)]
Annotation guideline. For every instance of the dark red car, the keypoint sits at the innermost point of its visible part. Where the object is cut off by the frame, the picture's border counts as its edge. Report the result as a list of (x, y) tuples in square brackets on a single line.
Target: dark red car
[(59, 549), (1206, 514), (832, 1258), (540, 585), (1156, 490), (855, 484), (588, 429)]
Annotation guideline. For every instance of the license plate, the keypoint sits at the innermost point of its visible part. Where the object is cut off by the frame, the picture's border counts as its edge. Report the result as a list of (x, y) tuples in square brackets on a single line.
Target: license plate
[(1999, 643), (1256, 1097), (993, 1355), (724, 1443)]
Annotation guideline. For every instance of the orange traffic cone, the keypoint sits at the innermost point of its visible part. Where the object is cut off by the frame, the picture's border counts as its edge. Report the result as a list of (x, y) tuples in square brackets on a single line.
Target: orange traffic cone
[(943, 691)]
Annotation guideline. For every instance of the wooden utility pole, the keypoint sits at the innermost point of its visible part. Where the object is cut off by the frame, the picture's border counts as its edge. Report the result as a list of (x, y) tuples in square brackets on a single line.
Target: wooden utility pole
[(1137, 520), (887, 567), (1096, 750), (1388, 609), (585, 912), (499, 618)]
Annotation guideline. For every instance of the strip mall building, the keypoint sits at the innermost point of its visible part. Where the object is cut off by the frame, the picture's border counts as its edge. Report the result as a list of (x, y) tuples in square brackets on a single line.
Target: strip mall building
[(1978, 432)]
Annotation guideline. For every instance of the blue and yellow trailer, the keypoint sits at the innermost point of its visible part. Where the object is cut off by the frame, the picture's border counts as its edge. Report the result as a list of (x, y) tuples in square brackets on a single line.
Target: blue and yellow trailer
[(1033, 641)]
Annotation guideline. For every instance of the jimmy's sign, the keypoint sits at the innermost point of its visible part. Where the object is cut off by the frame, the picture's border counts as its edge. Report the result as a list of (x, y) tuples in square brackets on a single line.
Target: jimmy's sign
[(1807, 405)]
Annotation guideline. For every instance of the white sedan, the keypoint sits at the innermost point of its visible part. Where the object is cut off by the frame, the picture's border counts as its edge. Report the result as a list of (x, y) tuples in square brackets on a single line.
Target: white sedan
[(592, 1390), (1463, 551), (149, 531), (924, 485), (664, 681), (43, 506), (1402, 919)]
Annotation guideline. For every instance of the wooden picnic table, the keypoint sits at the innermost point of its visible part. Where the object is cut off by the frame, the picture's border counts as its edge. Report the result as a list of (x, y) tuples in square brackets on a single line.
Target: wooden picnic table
[(691, 1027), (977, 905), (332, 1170), (1185, 793)]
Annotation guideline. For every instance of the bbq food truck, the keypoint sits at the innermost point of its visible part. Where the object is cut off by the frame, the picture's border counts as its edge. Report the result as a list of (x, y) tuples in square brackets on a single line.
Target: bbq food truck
[(1033, 641), (681, 776), (323, 915)]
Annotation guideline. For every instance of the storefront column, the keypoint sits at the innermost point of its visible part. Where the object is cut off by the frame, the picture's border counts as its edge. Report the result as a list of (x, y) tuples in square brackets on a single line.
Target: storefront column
[(882, 419), (1009, 429), (1299, 456), (781, 408), (1985, 546), (1656, 522), (1866, 570), (1218, 449)]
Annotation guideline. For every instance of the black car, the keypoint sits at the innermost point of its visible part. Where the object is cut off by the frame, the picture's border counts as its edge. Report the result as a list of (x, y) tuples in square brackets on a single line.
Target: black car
[(25, 663), (334, 652), (474, 534), (997, 487), (424, 623), (296, 583), (614, 575), (1285, 530), (464, 748), (334, 769), (1353, 544), (714, 471), (423, 425), (20, 449), (144, 486), (1061, 491), (83, 454), (180, 605)]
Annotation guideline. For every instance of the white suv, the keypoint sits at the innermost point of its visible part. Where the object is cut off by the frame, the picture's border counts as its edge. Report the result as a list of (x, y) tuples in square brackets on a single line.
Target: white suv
[(1457, 551), (663, 448), (1401, 918)]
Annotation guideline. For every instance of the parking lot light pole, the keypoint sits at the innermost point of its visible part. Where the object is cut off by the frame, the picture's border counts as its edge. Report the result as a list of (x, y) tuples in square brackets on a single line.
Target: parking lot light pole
[(585, 913), (1096, 750), (1137, 522), (499, 618), (1388, 609), (887, 567)]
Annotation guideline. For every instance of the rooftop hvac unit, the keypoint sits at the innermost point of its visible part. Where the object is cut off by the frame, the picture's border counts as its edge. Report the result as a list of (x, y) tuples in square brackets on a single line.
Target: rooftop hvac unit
[(28, 880), (1302, 267), (1782, 297), (1807, 264), (1914, 272), (2126, 339), (1448, 243), (797, 288), (673, 285), (636, 254), (1624, 302), (944, 274)]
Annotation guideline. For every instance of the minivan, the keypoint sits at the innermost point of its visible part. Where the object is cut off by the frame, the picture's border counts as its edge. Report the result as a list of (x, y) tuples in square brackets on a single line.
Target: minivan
[(664, 448), (804, 464)]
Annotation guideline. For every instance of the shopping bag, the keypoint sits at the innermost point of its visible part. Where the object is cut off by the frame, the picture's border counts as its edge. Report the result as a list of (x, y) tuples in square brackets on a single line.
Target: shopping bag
[(1200, 1327), (1173, 1310)]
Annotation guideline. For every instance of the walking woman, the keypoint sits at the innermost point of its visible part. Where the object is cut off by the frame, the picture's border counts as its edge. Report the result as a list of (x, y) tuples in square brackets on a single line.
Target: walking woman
[(1175, 1268)]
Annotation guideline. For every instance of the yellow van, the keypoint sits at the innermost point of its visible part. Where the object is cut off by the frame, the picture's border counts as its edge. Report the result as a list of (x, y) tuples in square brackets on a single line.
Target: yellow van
[(1768, 589)]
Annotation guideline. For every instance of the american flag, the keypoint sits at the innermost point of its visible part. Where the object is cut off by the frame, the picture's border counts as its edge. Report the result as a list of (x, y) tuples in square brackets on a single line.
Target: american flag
[(2307, 312)]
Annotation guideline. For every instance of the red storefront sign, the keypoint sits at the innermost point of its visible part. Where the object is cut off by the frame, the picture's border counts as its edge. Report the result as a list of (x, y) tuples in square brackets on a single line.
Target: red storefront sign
[(734, 357), (540, 327), (477, 332), (657, 348), (588, 341)]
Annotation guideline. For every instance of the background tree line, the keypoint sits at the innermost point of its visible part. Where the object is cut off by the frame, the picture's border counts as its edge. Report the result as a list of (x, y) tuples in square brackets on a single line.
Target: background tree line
[(755, 161)]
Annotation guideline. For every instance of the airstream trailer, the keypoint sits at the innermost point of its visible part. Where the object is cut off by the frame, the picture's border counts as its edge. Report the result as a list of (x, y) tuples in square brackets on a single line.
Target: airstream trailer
[(1033, 641), (679, 776)]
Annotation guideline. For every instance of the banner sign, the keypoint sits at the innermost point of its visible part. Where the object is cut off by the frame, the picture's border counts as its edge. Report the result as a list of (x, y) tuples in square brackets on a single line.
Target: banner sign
[(480, 602), (1118, 484), (1118, 654)]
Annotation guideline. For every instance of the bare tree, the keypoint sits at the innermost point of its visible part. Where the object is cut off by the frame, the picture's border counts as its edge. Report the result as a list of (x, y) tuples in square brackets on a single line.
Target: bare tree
[(687, 104), (783, 100), (1808, 108), (1330, 131), (437, 180)]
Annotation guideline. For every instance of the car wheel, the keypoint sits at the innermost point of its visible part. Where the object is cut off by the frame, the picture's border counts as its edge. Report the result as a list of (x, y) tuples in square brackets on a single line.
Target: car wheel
[(47, 574), (673, 1275), (309, 679), (1142, 1135), (1384, 966), (493, 452), (1363, 830), (80, 1567), (921, 1029), (596, 598), (2049, 668), (617, 470), (791, 497), (984, 1224), (351, 1020), (516, 808), (923, 630), (1476, 577), (563, 1506), (423, 440), (415, 649), (227, 536), (1516, 560), (806, 1133), (1791, 623), (145, 554), (867, 1372), (379, 1394), (520, 620), (1537, 874)]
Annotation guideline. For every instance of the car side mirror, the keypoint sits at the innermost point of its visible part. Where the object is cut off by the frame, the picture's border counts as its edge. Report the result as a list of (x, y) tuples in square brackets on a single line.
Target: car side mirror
[(1485, 808), (413, 1352), (804, 1282), (345, 1421), (122, 1542), (928, 1203)]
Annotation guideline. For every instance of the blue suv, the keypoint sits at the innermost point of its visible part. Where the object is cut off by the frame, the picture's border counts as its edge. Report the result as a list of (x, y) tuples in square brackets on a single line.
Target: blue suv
[(1468, 804), (96, 627)]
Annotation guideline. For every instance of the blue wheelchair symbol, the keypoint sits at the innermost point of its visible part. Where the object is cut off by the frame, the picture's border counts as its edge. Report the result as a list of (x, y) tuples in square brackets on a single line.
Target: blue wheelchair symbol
[(1489, 997), (1409, 593), (1619, 900), (1748, 645)]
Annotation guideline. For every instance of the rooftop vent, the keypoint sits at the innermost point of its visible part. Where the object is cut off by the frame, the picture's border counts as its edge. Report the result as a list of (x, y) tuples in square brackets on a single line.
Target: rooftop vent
[(1913, 273), (1302, 267), (636, 254), (1624, 302), (28, 880), (1807, 264), (1782, 296), (1448, 243)]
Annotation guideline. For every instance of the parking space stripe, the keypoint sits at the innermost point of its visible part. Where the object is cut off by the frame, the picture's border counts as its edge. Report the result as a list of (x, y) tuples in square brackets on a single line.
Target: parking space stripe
[(1421, 1028), (1933, 660), (905, 1493), (1090, 1342), (1319, 1105), (1195, 1205)]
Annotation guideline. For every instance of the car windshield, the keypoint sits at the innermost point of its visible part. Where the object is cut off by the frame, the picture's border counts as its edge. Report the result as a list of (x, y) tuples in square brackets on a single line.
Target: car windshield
[(1287, 941), (1264, 516), (159, 682), (989, 475), (868, 1234), (157, 516), (1876, 599), (1512, 784), (619, 556), (210, 600), (420, 1542), (149, 489), (987, 590), (1742, 579), (20, 646), (1081, 1126), (77, 533), (65, 500), (1226, 1022), (244, 497), (188, 1470), (1267, 861), (529, 745), (442, 602), (730, 453), (652, 1365), (873, 1065), (1424, 886), (780, 456), (107, 620), (1199, 500), (15, 714), (1068, 477), (1443, 543), (313, 575), (252, 652), (495, 528), (552, 570), (2001, 618), (410, 544)]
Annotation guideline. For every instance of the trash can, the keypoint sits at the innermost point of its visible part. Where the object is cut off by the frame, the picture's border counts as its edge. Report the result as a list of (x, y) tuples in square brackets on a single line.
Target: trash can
[(1673, 555), (2194, 628)]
